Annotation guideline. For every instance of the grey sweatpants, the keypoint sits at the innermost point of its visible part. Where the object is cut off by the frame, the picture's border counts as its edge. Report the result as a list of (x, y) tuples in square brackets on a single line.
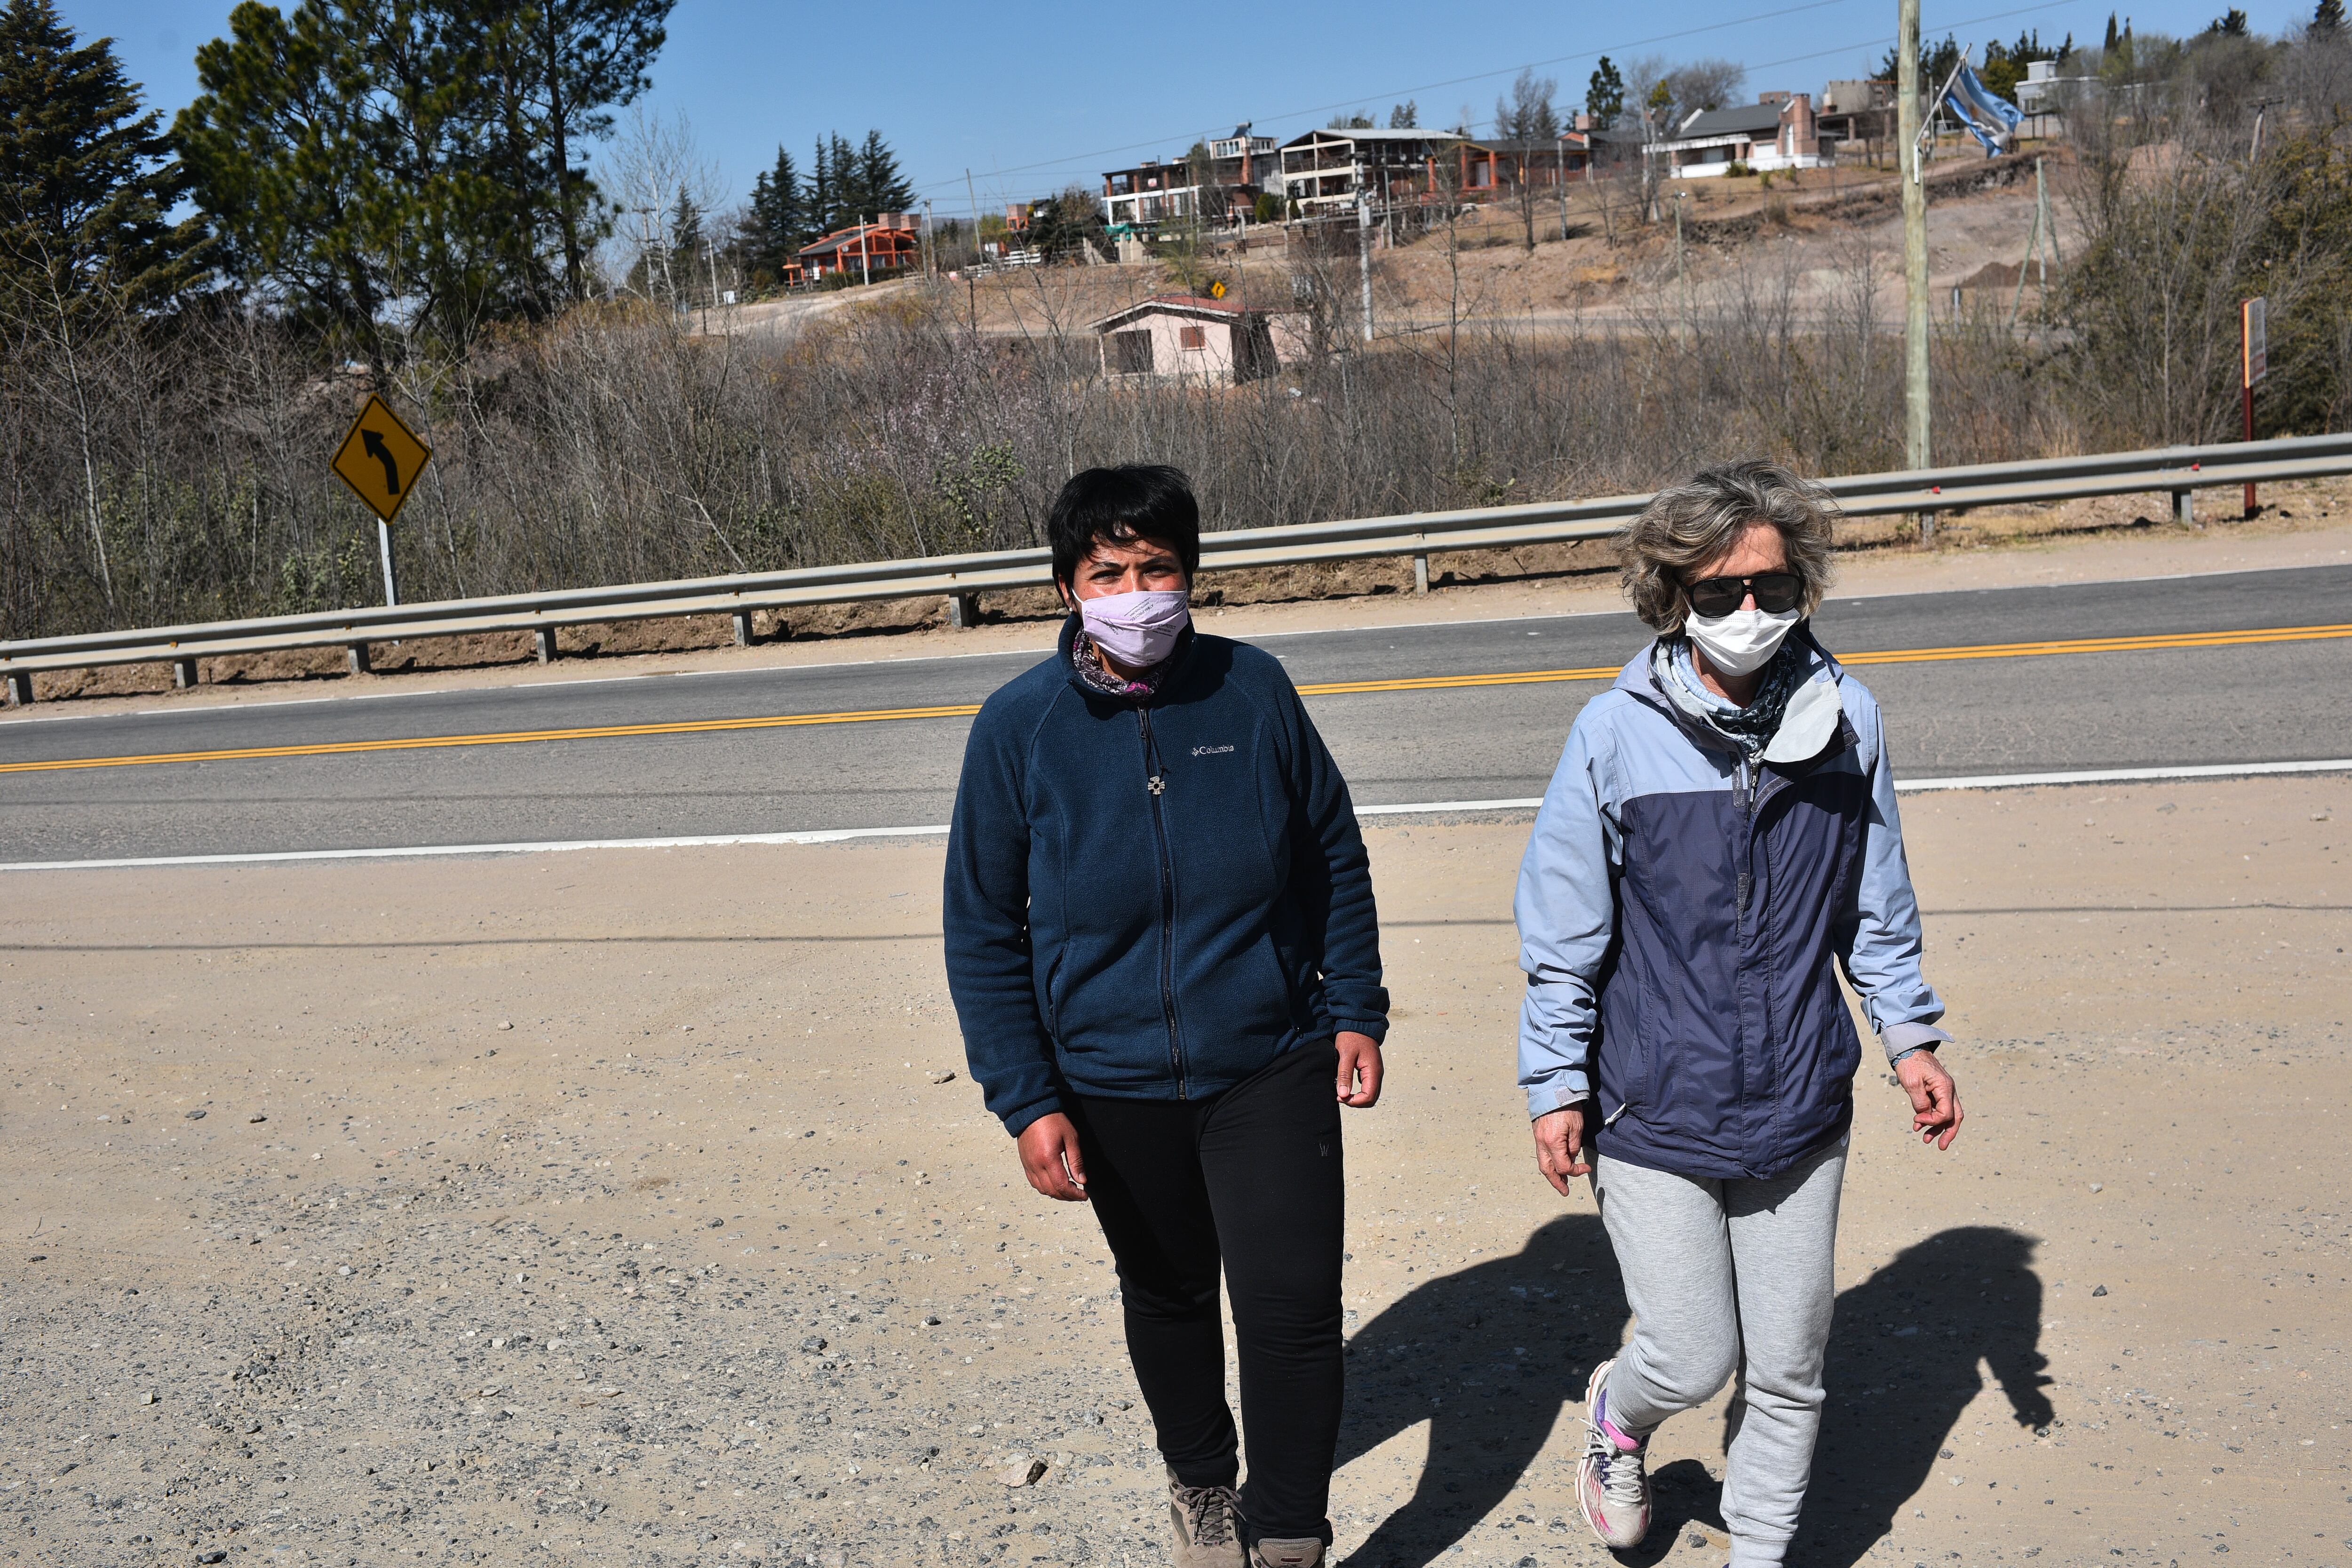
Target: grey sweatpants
[(1727, 1276)]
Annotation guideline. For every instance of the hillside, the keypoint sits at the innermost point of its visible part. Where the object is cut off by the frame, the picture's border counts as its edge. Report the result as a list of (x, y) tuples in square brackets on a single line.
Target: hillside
[(1817, 236)]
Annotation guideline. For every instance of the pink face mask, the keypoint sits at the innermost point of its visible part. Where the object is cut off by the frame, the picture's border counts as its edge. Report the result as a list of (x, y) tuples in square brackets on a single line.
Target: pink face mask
[(1137, 630)]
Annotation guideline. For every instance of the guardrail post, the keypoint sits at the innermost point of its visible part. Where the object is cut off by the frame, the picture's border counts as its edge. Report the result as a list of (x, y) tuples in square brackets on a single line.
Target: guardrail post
[(1420, 573), (2184, 507), (20, 689), (1927, 528), (963, 609), (359, 659), (542, 638), (742, 628), (184, 673)]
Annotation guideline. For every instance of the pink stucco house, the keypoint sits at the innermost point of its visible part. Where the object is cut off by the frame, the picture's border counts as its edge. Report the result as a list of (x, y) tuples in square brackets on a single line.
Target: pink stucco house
[(1186, 337)]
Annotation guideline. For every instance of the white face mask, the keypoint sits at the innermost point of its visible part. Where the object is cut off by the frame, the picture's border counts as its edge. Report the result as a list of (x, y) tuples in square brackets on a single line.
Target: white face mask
[(1741, 641)]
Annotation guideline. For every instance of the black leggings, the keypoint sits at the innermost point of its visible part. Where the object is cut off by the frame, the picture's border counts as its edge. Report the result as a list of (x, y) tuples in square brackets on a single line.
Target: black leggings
[(1250, 1178)]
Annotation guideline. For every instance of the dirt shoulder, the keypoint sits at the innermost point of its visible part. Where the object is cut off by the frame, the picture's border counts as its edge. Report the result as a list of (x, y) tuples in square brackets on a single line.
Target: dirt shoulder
[(445, 1210), (2303, 524)]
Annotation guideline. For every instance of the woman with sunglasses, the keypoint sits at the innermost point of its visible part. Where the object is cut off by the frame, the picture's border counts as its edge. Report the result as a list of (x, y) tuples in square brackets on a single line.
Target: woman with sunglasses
[(1720, 839)]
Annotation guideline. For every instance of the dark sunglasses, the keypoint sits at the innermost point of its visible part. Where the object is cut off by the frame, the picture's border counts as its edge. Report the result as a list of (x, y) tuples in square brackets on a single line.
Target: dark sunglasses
[(1776, 594)]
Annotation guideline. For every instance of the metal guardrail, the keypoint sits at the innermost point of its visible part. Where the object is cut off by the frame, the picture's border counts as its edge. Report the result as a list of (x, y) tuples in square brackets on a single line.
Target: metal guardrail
[(2178, 472)]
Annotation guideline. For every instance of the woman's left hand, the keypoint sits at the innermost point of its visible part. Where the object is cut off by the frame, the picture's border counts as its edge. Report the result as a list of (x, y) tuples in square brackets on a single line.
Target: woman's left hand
[(1359, 1069), (1935, 1112)]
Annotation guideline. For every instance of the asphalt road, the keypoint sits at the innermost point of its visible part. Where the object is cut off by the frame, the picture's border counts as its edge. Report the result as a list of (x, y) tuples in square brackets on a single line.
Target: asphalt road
[(2256, 701)]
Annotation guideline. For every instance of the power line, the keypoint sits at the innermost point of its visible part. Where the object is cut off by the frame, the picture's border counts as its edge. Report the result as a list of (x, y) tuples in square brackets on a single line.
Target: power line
[(1080, 160), (1426, 86)]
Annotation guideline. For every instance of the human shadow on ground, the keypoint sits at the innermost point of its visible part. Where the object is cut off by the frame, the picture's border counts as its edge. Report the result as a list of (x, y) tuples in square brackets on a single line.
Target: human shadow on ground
[(1903, 1365), (1488, 1356), (1491, 1354)]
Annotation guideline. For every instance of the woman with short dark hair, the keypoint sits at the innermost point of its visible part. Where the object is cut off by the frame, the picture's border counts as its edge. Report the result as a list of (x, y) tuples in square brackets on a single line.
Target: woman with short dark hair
[(1719, 840), (1163, 952)]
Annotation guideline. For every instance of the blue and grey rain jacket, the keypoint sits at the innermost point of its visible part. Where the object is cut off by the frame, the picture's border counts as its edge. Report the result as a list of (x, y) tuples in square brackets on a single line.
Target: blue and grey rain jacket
[(1153, 899), (1682, 914)]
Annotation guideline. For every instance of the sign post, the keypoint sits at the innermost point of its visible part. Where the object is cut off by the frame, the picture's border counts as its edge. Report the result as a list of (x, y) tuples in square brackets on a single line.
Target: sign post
[(380, 459), (2253, 363)]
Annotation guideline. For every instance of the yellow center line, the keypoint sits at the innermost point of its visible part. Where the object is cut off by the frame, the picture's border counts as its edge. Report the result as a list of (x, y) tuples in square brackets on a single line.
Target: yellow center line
[(505, 738), (1317, 689)]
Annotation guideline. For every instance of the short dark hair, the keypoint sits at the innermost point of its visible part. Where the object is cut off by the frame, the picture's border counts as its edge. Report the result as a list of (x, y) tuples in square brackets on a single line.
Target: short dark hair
[(1121, 505)]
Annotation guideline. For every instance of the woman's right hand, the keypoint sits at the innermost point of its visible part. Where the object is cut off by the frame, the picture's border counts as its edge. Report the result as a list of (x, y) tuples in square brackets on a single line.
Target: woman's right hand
[(1050, 1158), (1561, 1147)]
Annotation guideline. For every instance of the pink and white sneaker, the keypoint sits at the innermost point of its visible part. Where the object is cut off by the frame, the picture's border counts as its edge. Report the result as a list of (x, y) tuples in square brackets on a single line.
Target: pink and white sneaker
[(1612, 1485)]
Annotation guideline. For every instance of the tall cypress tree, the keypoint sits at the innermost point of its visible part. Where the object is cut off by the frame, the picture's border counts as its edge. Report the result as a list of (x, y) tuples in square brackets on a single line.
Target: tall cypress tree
[(87, 182)]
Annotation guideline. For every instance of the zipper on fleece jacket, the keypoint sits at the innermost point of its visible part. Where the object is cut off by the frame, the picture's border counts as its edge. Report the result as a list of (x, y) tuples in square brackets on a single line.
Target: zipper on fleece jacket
[(1155, 779)]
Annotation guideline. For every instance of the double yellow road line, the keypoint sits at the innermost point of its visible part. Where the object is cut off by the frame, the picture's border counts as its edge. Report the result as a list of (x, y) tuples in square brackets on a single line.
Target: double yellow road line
[(1318, 689)]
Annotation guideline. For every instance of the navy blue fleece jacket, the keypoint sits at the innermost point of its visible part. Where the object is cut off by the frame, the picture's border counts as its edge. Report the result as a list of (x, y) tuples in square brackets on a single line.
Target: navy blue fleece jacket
[(1152, 900)]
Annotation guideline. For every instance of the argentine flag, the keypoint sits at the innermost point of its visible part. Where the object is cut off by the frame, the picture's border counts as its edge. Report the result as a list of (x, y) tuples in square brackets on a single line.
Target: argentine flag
[(1991, 119)]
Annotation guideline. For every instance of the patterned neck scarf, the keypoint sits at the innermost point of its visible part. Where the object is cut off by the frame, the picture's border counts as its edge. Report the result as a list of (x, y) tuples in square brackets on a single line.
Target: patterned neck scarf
[(1087, 660), (1751, 728)]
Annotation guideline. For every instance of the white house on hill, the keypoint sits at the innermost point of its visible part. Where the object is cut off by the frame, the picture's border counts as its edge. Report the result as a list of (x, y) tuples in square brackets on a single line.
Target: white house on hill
[(1776, 132)]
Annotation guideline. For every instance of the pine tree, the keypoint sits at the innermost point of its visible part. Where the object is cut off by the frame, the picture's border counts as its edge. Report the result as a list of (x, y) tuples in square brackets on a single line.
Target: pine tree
[(2113, 36), (1604, 95), (2328, 19), (778, 217), (87, 183), (565, 65), (363, 160), (1405, 116), (841, 200), (818, 193), (877, 168)]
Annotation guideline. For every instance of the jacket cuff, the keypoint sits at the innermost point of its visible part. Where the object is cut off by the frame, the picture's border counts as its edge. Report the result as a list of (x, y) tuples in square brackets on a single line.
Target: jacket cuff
[(1018, 1122), (1571, 1088), (1376, 1026), (1899, 1039)]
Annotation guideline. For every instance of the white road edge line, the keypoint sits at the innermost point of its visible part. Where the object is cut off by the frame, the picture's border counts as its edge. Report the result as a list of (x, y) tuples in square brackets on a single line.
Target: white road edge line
[(2126, 775), (935, 830)]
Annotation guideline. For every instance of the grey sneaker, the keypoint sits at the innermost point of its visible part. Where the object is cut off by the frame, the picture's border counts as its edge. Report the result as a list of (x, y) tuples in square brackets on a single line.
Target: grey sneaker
[(1303, 1552), (1612, 1485), (1208, 1525)]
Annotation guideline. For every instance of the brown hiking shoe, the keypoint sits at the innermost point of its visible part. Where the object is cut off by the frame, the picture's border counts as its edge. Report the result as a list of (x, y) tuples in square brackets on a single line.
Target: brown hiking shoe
[(1303, 1552), (1208, 1525)]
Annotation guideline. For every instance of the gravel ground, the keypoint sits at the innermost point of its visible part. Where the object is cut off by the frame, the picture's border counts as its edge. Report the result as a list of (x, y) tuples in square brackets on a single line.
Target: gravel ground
[(609, 1206)]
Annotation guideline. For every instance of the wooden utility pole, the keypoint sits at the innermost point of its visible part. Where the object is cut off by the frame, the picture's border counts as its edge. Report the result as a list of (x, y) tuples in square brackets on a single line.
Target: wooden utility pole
[(1917, 451)]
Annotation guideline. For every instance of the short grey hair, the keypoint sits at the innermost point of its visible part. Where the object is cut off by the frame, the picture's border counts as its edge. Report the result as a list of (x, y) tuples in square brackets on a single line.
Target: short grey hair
[(1693, 522)]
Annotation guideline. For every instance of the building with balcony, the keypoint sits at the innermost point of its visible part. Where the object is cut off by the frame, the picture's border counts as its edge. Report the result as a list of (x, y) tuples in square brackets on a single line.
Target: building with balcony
[(1223, 191), (1325, 170)]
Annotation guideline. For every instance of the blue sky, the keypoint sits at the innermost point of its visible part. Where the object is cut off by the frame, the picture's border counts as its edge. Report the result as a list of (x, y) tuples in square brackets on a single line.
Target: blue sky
[(1029, 95)]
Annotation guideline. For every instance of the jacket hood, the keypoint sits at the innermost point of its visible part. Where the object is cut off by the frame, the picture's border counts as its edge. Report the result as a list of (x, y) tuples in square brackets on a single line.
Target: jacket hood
[(1812, 714)]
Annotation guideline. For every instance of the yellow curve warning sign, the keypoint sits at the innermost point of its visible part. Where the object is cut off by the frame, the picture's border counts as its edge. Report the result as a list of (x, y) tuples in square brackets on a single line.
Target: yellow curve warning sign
[(381, 459)]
